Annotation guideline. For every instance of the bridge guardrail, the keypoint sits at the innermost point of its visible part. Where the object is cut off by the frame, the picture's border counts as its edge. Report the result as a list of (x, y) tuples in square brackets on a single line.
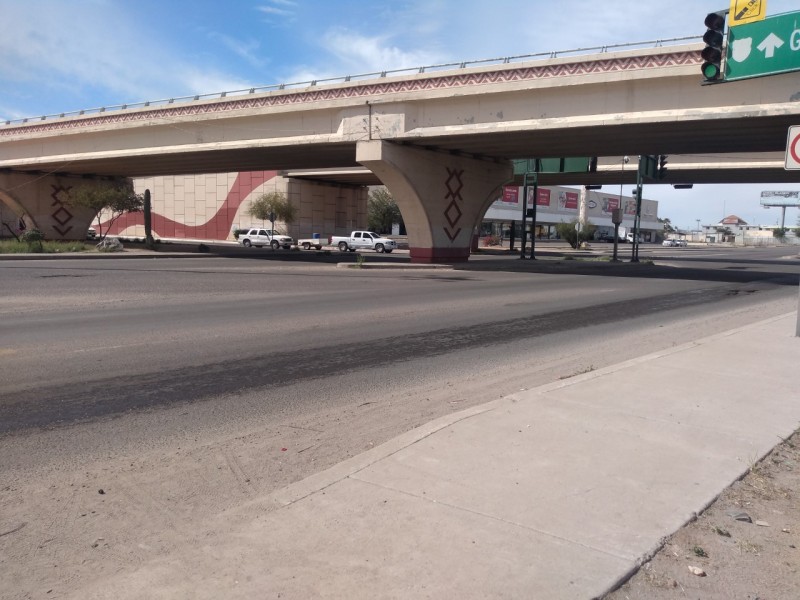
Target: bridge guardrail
[(348, 79)]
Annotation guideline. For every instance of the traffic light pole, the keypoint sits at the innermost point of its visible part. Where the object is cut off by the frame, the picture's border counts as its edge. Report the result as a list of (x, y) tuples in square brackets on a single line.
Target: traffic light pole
[(525, 186), (524, 213), (533, 214), (638, 217)]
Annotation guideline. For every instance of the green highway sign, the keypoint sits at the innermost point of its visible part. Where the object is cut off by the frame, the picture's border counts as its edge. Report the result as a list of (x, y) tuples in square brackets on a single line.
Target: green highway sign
[(766, 47)]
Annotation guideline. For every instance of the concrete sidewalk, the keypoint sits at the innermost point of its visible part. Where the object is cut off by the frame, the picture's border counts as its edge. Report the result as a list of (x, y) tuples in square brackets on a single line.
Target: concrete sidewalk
[(555, 492)]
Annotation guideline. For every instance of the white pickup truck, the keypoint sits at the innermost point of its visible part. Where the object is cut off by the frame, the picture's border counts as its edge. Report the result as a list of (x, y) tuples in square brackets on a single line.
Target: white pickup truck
[(359, 240)]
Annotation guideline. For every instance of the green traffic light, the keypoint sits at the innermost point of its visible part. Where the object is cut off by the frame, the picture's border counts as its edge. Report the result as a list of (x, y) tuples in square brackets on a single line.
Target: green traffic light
[(714, 39), (711, 71)]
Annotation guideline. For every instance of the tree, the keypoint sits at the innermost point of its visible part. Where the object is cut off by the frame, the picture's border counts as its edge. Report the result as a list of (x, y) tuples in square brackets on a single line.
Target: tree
[(725, 232), (569, 233), (272, 206), (382, 211), (780, 233), (148, 221), (116, 198), (668, 228)]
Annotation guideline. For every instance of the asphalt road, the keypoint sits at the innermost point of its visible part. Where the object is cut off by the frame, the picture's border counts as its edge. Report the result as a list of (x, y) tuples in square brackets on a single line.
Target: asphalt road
[(83, 339), (141, 399)]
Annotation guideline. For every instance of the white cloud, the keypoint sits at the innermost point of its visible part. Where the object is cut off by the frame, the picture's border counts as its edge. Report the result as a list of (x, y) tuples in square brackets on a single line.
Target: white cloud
[(249, 50), (279, 8), (96, 53), (375, 53)]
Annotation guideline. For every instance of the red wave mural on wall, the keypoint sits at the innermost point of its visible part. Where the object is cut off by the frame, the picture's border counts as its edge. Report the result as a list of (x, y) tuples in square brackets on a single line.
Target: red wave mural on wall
[(216, 228)]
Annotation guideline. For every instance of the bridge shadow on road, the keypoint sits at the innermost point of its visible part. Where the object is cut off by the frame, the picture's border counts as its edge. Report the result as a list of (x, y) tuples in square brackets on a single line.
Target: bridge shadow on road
[(551, 261), (727, 271)]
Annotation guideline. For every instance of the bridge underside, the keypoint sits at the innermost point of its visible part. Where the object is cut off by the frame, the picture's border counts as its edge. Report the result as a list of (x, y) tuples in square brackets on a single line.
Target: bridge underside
[(608, 105)]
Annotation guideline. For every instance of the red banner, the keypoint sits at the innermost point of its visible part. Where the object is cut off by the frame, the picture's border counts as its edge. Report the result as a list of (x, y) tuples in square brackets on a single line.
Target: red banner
[(543, 198), (568, 200), (511, 194), (610, 204)]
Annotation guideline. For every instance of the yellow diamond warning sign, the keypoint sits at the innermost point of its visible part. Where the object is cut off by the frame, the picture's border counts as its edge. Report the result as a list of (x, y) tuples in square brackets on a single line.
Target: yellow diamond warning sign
[(746, 11)]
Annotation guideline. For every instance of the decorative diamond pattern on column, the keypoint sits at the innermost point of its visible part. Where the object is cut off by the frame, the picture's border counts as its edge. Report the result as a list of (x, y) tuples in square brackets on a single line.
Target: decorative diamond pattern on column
[(452, 213), (60, 195), (61, 215)]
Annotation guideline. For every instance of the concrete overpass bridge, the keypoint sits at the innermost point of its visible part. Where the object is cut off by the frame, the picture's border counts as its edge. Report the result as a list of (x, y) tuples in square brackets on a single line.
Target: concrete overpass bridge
[(440, 140)]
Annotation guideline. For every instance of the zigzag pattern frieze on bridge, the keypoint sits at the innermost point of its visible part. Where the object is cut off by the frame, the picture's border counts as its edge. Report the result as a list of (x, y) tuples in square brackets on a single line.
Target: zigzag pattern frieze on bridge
[(418, 83)]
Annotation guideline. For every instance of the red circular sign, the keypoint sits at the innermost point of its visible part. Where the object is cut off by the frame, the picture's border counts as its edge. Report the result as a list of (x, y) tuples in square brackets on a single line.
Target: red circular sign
[(793, 148)]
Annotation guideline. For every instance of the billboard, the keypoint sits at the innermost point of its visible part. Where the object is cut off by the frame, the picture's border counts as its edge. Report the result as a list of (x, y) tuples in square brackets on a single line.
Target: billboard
[(771, 198)]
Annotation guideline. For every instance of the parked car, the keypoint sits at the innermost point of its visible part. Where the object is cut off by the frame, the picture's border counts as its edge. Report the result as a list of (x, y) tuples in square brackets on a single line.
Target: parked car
[(683, 243), (669, 243), (359, 240), (264, 237)]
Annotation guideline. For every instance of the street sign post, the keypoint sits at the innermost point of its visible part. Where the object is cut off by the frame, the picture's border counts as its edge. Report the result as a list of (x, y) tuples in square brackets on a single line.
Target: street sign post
[(793, 149), (766, 47)]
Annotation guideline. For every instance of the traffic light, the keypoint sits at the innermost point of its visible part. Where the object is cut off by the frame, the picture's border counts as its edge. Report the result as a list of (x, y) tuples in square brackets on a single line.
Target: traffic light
[(662, 166), (712, 53)]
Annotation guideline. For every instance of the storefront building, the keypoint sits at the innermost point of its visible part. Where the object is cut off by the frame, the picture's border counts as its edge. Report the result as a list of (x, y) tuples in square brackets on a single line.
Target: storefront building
[(554, 205)]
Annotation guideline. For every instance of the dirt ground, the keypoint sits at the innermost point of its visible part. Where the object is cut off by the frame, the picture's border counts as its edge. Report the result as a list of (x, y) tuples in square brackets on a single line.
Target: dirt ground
[(737, 558)]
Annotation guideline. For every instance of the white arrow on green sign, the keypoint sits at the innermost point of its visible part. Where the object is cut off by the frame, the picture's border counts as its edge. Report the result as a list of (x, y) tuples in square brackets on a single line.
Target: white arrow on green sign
[(765, 47)]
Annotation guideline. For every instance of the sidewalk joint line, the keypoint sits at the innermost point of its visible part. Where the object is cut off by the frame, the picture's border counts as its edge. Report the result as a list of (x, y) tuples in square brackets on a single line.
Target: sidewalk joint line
[(493, 518)]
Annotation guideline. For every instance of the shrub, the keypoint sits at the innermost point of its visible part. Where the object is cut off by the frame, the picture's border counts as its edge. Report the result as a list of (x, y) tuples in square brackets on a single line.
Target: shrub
[(569, 234), (33, 238), (491, 240)]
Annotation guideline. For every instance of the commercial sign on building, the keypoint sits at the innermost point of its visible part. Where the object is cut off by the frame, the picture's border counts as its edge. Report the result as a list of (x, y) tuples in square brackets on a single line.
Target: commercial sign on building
[(543, 197), (610, 204), (511, 194), (568, 200)]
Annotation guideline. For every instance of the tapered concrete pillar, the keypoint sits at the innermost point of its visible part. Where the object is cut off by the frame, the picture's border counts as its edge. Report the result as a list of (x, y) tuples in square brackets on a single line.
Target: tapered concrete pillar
[(40, 202), (442, 196)]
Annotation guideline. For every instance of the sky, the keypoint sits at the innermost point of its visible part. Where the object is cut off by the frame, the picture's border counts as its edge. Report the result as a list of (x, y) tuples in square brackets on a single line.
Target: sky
[(63, 55)]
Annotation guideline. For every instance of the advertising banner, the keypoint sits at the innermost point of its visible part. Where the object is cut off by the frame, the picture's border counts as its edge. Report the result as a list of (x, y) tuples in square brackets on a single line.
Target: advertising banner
[(568, 200), (543, 199), (511, 194), (610, 204)]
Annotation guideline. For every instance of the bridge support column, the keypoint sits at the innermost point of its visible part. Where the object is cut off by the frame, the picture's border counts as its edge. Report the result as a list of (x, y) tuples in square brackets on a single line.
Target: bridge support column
[(40, 202), (442, 196)]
